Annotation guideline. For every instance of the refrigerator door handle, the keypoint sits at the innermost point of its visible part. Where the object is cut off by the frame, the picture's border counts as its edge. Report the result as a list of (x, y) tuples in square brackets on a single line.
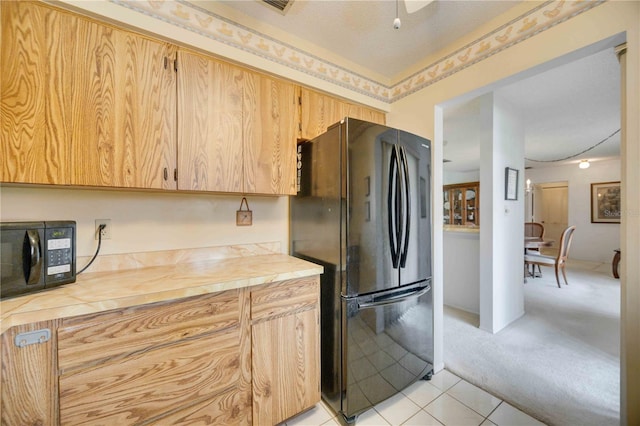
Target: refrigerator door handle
[(391, 207), (395, 297), (407, 207)]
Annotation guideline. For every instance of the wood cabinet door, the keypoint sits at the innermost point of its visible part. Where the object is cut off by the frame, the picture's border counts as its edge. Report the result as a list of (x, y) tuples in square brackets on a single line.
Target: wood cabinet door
[(209, 124), (33, 105), (93, 338), (461, 204), (83, 103), (231, 408), (145, 113), (123, 126), (285, 366), (269, 116), (367, 114), (28, 385), (318, 112), (285, 349), (152, 383)]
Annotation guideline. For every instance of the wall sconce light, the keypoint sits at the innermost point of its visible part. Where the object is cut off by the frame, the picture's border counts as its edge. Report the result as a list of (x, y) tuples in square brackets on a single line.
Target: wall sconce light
[(528, 186), (584, 164)]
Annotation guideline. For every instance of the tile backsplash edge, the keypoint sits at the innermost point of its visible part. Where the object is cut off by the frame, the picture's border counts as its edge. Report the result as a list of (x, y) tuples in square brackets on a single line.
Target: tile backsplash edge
[(114, 262)]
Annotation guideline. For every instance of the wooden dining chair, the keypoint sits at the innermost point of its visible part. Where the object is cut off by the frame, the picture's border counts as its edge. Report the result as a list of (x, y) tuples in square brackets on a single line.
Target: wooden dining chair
[(558, 262), (534, 230)]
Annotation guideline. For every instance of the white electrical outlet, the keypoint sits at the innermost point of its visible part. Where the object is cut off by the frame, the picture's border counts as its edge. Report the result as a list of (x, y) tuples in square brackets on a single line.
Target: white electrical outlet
[(106, 232)]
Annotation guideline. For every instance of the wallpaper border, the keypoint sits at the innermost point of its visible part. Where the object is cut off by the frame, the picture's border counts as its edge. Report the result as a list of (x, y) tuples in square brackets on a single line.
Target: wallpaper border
[(191, 17)]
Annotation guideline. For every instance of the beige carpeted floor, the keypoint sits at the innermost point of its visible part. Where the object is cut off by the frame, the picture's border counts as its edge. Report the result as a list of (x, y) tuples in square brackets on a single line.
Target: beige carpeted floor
[(560, 362)]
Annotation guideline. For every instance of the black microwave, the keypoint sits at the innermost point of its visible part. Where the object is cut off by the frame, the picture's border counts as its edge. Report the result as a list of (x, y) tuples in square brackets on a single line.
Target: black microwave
[(36, 256)]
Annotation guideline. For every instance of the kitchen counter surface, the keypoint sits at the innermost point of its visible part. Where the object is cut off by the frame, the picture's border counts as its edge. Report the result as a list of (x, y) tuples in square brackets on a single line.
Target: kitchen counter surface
[(462, 228), (101, 291)]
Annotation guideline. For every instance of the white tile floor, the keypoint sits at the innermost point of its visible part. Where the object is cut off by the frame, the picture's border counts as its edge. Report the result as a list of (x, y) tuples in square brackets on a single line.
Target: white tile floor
[(445, 400)]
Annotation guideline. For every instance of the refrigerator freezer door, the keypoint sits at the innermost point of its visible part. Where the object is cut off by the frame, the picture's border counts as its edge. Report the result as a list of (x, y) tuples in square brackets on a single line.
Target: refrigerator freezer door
[(389, 345)]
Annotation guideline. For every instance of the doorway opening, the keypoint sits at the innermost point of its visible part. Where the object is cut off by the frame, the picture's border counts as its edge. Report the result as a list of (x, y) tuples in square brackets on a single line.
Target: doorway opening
[(552, 322), (549, 204)]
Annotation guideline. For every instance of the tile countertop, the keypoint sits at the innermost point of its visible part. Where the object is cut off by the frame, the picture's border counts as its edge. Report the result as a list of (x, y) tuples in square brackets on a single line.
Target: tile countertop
[(461, 228), (101, 291)]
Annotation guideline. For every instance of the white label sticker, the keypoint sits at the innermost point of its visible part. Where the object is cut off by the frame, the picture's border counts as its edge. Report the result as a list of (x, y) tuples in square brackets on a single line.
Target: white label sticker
[(60, 269)]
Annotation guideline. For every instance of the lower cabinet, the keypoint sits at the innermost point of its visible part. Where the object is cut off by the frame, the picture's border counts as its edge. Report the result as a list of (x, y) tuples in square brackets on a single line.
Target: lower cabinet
[(154, 383), (285, 342), (28, 386), (238, 357), (152, 362)]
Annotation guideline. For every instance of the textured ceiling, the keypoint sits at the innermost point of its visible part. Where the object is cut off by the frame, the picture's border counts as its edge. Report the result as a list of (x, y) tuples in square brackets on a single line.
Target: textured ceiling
[(567, 109), (362, 31)]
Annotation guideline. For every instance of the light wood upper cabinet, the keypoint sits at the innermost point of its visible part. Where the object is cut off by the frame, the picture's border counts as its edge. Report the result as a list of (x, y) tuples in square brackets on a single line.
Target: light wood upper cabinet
[(270, 116), (236, 128), (363, 113), (85, 103), (209, 124), (123, 131), (318, 111), (33, 107)]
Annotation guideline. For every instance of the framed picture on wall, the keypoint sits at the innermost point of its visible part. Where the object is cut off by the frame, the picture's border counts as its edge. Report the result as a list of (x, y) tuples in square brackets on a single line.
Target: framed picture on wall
[(510, 184), (605, 202)]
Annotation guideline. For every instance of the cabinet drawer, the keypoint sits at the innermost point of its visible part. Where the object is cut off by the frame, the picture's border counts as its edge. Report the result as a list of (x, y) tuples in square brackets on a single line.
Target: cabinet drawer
[(229, 408), (150, 384), (89, 338), (286, 296)]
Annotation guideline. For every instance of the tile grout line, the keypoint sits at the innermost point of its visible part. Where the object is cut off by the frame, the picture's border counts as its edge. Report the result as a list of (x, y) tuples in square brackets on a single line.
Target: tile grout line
[(473, 409), (493, 411)]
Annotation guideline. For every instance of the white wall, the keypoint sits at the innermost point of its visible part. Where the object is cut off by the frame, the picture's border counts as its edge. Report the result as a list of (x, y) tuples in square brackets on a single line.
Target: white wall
[(502, 227), (450, 178), (462, 270), (591, 241), (150, 221)]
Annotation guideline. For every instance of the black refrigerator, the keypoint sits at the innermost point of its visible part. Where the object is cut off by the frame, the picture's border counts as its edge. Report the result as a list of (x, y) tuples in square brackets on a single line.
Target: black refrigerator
[(363, 211)]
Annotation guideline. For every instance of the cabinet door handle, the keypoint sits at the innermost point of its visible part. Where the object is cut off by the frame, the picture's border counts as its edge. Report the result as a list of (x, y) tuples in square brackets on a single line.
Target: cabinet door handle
[(166, 174), (175, 174)]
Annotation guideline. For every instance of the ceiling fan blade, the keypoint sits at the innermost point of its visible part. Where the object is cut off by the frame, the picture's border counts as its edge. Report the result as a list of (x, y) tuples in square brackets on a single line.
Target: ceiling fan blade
[(415, 5)]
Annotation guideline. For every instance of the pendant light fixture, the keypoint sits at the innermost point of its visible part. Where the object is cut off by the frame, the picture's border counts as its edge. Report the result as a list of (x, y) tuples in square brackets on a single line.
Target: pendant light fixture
[(396, 22)]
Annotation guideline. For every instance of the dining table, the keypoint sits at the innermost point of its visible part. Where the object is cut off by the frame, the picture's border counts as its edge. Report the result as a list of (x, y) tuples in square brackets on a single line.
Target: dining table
[(537, 243)]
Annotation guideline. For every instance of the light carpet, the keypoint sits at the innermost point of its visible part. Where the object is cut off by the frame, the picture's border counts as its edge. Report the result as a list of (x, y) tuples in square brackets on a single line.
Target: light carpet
[(560, 362)]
